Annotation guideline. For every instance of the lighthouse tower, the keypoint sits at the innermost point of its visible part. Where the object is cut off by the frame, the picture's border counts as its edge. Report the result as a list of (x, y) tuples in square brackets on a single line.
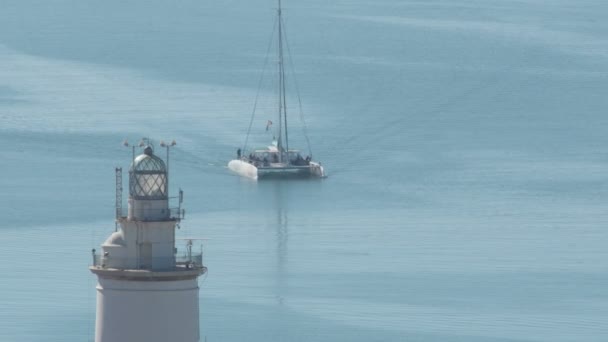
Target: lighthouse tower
[(147, 291)]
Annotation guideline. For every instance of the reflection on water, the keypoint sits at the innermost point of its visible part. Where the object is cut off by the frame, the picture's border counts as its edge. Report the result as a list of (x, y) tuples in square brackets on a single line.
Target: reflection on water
[(280, 206)]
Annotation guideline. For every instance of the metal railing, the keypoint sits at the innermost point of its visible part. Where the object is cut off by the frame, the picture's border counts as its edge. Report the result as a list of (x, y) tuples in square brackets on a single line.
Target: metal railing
[(194, 259), (178, 262), (156, 214)]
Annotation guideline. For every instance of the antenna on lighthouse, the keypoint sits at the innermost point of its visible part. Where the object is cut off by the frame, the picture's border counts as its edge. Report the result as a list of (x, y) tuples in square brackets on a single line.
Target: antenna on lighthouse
[(118, 201), (143, 142)]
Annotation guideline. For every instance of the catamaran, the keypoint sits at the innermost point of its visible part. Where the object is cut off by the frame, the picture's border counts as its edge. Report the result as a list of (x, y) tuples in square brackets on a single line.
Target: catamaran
[(277, 160)]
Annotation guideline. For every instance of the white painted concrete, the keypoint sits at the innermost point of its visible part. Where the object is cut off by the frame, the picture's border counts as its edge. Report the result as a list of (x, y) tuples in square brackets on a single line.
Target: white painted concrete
[(147, 311)]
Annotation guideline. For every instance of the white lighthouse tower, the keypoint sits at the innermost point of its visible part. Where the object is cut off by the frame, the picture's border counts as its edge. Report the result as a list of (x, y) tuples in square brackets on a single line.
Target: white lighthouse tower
[(147, 291)]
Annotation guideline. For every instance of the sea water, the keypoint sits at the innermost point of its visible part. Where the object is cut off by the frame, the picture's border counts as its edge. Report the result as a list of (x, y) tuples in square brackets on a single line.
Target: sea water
[(465, 143)]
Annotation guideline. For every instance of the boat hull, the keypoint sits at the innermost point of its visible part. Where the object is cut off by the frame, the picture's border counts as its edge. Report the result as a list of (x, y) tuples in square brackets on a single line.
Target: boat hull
[(245, 169)]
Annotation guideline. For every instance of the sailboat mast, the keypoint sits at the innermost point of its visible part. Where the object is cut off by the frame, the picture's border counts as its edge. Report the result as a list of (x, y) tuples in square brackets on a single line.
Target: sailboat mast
[(282, 96), (284, 82), (280, 85)]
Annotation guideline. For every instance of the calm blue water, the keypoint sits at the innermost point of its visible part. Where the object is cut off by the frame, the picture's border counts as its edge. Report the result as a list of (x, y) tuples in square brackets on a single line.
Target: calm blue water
[(465, 142)]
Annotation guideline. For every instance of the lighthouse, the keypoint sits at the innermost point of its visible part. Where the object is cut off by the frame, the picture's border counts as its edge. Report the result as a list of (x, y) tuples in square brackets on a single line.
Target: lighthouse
[(147, 290)]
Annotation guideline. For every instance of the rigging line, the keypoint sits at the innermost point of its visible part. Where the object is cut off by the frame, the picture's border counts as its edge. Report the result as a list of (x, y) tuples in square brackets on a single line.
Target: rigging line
[(295, 81), (257, 95)]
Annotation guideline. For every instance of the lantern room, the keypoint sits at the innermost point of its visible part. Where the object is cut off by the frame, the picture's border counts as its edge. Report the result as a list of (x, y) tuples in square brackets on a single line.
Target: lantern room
[(148, 177)]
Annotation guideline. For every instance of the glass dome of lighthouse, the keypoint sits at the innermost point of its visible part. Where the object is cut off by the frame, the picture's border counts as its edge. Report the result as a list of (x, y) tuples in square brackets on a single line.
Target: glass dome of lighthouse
[(148, 177)]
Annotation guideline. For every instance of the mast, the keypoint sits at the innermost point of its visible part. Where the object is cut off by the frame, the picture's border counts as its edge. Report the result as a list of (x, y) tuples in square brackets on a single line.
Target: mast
[(282, 96)]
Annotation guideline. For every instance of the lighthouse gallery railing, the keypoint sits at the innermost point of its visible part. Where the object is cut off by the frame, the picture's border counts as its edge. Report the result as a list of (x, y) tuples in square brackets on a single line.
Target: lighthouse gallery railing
[(179, 261)]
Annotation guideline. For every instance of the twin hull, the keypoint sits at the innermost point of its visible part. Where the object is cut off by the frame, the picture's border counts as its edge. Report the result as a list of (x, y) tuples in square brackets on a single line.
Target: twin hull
[(248, 170)]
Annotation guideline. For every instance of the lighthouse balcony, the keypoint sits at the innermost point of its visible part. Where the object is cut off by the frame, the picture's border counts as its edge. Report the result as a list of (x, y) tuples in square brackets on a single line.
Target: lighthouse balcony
[(157, 264), (147, 214)]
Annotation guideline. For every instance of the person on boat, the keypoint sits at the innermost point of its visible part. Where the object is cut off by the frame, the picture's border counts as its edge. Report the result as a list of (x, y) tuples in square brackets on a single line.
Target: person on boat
[(299, 160), (238, 153), (266, 163)]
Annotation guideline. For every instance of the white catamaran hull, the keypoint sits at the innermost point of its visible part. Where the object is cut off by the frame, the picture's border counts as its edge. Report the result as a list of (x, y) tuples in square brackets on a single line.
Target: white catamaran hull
[(245, 169), (317, 170)]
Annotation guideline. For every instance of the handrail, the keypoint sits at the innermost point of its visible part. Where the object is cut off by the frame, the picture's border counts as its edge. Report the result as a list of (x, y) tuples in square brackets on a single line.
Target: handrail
[(169, 214), (177, 262)]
